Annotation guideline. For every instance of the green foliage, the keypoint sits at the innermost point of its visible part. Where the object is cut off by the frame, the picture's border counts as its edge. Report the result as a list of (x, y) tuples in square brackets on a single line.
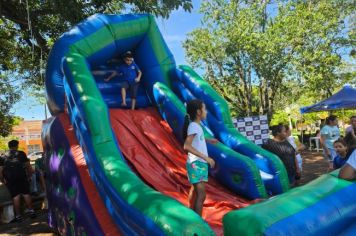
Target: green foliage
[(4, 141), (7, 98), (263, 60), (29, 28)]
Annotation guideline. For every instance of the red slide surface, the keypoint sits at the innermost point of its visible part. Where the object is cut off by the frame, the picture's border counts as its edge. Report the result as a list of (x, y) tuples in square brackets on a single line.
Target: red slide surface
[(149, 145)]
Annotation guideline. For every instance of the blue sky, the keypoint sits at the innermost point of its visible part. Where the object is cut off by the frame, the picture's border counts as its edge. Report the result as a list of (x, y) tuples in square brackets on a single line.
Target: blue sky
[(174, 31)]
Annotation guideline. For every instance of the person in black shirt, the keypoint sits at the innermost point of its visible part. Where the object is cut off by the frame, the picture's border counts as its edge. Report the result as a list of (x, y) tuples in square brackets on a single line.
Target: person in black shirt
[(280, 146), (15, 169)]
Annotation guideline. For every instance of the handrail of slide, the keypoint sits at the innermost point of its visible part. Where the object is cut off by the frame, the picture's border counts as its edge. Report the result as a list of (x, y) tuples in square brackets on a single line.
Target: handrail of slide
[(143, 209), (188, 85), (232, 169)]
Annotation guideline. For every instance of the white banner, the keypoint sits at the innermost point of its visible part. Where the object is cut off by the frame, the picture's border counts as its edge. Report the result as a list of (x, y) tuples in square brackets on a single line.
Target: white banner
[(254, 128)]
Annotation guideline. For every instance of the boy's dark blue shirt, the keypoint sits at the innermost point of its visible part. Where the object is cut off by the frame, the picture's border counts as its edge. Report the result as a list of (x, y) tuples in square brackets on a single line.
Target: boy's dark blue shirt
[(128, 72), (338, 162)]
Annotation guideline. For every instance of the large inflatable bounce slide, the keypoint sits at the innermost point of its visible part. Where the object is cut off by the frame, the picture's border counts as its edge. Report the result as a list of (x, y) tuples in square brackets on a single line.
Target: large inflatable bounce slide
[(115, 171)]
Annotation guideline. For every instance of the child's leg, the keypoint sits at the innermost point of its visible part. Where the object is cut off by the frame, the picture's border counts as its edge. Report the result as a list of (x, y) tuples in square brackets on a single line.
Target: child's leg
[(123, 96), (133, 104), (133, 90), (28, 200), (17, 203), (200, 197), (191, 197)]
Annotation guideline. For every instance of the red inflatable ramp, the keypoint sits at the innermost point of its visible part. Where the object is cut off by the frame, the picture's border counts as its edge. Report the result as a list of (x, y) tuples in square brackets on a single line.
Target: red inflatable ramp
[(148, 143)]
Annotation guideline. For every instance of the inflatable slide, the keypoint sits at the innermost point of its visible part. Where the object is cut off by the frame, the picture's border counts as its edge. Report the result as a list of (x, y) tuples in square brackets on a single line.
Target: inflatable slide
[(113, 171)]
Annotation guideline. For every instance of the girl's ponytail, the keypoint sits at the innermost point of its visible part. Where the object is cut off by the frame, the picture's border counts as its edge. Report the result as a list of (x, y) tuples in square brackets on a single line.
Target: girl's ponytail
[(192, 108), (185, 126)]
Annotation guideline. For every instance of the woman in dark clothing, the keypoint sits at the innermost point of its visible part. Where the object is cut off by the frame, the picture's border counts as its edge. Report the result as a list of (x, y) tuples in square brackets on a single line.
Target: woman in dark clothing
[(280, 146)]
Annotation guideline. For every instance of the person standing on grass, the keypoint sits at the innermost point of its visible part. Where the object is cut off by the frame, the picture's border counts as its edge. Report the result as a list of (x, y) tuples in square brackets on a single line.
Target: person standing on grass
[(15, 171), (280, 146), (198, 159), (329, 134)]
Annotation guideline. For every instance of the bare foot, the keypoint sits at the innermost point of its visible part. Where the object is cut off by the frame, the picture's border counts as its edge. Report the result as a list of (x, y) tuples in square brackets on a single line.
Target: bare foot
[(123, 104)]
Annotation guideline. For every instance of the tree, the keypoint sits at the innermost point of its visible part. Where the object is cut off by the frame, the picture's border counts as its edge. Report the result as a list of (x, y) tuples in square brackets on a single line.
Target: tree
[(257, 49), (7, 98), (28, 29)]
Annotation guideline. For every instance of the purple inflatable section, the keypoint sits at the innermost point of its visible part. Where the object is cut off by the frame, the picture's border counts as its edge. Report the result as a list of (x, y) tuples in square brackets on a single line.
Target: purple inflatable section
[(66, 195)]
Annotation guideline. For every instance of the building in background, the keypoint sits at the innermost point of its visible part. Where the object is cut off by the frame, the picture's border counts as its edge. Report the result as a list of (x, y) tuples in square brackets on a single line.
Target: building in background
[(29, 135)]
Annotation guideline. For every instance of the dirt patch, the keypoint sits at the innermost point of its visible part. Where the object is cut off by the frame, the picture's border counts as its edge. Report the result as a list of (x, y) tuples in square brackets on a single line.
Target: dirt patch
[(36, 227), (314, 165)]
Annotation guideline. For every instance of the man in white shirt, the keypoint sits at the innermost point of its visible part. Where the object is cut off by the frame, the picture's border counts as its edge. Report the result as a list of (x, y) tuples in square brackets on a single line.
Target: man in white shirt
[(348, 171)]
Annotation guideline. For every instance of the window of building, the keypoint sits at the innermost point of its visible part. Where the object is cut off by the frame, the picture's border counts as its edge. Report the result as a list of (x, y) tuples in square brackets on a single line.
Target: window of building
[(33, 148)]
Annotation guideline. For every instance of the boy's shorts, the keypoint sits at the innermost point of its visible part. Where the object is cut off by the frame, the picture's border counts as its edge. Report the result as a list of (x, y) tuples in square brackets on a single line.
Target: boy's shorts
[(132, 87), (197, 172), (18, 187)]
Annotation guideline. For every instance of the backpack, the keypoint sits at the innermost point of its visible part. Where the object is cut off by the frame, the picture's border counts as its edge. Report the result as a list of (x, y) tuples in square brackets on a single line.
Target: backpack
[(14, 169)]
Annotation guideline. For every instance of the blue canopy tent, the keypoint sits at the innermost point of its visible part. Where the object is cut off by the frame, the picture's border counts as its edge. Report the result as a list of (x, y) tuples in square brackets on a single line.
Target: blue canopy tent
[(344, 99)]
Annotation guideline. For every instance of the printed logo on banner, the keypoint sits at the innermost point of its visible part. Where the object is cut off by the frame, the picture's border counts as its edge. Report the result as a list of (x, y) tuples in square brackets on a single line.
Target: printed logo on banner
[(241, 129), (255, 128), (264, 127), (256, 122), (240, 124), (249, 128), (257, 132), (259, 142), (263, 122)]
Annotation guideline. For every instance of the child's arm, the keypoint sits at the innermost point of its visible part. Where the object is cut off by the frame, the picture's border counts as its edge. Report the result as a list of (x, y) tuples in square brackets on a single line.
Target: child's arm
[(297, 170), (138, 78), (211, 140), (113, 74), (189, 148)]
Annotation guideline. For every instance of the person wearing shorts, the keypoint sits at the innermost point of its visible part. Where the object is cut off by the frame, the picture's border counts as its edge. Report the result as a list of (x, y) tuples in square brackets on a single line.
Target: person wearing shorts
[(198, 160), (329, 134), (131, 76), (15, 168)]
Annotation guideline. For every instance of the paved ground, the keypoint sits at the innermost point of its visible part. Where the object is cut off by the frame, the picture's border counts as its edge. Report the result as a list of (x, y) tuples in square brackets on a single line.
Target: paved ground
[(314, 166)]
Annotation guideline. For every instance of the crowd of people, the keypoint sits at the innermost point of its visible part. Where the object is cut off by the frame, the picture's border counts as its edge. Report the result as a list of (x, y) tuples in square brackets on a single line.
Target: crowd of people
[(338, 151)]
